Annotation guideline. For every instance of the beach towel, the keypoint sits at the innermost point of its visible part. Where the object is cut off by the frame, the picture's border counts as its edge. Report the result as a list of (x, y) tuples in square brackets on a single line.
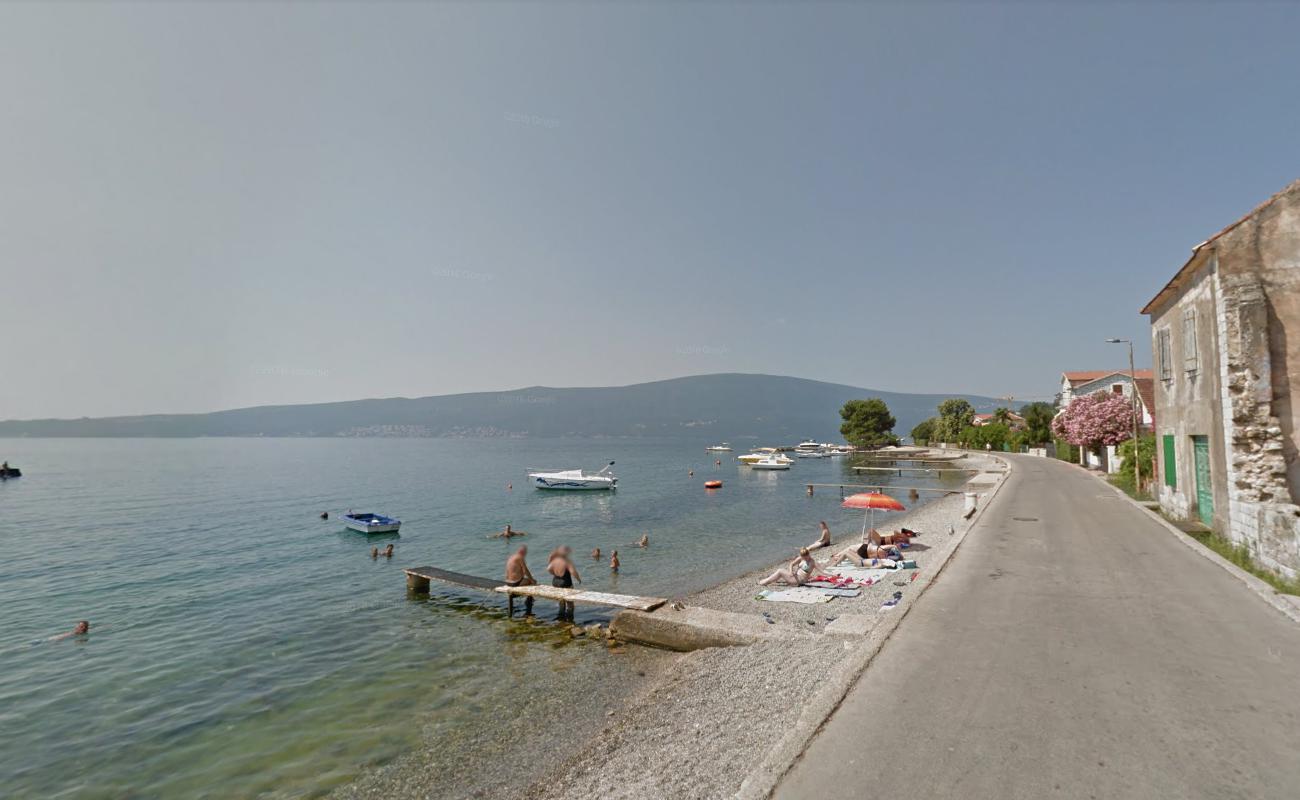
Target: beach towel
[(858, 573), (797, 595), (832, 582), (840, 592)]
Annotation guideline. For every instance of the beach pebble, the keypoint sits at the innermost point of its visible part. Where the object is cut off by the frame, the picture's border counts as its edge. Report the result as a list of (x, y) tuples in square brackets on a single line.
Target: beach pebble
[(575, 631)]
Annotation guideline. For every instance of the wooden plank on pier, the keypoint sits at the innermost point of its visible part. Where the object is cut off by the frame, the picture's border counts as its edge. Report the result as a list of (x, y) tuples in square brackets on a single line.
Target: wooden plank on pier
[(583, 596), (456, 578)]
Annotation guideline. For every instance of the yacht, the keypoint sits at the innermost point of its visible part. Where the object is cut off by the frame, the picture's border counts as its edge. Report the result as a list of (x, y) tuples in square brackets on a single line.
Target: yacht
[(575, 479), (719, 448), (761, 453)]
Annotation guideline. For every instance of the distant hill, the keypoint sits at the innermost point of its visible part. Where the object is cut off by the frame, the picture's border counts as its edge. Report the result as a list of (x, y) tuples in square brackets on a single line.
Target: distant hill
[(738, 408)]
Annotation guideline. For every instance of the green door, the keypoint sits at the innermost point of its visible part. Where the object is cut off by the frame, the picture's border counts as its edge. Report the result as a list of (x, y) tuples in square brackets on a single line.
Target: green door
[(1204, 490)]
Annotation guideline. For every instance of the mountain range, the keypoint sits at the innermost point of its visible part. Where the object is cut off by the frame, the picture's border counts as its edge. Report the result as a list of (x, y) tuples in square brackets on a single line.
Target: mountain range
[(733, 407)]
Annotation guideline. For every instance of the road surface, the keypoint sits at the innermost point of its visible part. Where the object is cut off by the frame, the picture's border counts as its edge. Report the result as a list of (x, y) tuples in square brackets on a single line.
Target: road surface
[(1073, 648)]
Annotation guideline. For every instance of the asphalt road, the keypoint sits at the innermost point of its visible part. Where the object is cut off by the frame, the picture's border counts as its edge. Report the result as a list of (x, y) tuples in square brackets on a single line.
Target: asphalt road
[(1073, 648)]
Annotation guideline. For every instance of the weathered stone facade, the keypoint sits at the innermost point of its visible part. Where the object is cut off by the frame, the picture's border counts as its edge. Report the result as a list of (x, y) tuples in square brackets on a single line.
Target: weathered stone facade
[(1247, 278)]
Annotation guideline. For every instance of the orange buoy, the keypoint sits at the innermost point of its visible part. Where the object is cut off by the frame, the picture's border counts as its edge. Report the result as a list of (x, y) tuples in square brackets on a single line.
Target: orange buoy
[(713, 484)]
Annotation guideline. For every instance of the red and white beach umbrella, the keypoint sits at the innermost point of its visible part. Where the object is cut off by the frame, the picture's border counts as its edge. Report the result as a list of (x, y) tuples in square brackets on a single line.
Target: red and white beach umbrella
[(870, 501)]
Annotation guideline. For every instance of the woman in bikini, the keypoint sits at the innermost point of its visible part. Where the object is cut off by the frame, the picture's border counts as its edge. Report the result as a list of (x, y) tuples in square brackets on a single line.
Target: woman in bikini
[(873, 547), (563, 574), (799, 572)]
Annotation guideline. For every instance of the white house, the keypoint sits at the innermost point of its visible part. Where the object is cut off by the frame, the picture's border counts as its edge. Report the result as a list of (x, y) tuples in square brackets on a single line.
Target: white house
[(1085, 382)]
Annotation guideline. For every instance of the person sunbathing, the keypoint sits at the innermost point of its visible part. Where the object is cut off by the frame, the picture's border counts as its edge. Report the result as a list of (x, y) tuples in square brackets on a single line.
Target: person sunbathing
[(824, 540), (872, 548), (797, 573)]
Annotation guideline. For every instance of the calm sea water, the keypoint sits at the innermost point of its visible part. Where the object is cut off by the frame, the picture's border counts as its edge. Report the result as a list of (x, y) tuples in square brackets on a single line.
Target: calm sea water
[(242, 647)]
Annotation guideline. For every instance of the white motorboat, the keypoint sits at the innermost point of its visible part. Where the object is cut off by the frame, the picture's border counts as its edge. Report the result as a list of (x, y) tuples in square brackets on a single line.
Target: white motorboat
[(772, 462), (719, 448), (371, 523), (808, 446), (762, 453), (575, 480), (809, 454)]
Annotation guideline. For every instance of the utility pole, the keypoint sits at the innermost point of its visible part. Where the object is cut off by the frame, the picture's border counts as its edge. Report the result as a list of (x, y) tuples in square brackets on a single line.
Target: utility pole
[(1133, 385)]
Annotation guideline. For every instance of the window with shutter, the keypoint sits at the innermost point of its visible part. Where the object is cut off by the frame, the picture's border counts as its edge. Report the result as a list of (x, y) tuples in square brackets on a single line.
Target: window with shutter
[(1190, 360)]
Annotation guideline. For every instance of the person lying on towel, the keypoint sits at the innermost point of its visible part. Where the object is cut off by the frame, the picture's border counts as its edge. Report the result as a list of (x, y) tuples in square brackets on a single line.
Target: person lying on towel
[(872, 548)]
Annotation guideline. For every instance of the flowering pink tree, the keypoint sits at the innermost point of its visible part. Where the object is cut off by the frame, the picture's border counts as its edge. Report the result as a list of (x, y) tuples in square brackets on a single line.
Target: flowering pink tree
[(1096, 420)]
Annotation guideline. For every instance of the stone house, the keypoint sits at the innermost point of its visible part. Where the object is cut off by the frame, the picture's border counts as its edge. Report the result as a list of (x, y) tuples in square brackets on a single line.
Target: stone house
[(1085, 382), (1228, 430)]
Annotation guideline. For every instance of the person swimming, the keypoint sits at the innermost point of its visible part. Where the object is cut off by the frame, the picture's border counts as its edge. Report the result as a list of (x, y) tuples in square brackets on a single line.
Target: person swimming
[(613, 562), (507, 533), (82, 629), (596, 553), (374, 553), (645, 541), (388, 552), (324, 515)]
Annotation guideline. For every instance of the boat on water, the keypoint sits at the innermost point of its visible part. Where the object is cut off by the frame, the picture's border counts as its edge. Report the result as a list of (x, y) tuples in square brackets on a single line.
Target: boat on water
[(772, 462), (761, 453), (575, 479), (810, 454), (371, 523), (809, 446), (7, 472), (719, 448)]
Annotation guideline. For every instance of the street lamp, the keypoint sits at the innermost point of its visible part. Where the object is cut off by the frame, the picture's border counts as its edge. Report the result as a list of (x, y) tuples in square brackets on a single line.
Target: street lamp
[(1133, 383)]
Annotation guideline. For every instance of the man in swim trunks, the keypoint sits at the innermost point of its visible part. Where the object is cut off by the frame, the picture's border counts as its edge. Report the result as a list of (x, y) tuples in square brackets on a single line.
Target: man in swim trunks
[(518, 574)]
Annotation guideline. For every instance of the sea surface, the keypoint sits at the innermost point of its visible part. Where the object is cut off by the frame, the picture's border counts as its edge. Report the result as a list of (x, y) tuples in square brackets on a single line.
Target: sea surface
[(242, 647)]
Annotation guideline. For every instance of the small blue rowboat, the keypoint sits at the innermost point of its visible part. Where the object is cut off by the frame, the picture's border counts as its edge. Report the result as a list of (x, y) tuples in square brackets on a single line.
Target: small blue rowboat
[(371, 523)]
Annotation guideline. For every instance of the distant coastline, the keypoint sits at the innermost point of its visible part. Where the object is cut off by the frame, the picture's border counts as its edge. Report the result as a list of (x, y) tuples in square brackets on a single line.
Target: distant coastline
[(726, 406)]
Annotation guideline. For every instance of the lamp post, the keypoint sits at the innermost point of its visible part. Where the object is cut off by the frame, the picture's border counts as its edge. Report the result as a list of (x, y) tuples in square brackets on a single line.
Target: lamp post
[(1133, 385)]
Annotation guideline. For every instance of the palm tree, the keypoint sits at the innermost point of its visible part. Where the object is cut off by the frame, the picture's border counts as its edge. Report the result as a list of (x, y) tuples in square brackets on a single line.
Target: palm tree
[(1003, 415)]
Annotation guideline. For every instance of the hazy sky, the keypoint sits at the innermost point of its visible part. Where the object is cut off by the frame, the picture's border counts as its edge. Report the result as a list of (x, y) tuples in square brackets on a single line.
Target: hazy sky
[(210, 206)]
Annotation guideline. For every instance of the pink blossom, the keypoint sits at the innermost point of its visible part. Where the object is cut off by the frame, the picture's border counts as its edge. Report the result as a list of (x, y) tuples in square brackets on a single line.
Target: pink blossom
[(1096, 420)]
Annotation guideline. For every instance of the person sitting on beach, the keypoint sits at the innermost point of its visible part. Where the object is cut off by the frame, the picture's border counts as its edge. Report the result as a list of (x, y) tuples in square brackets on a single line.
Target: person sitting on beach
[(507, 533), (645, 541), (596, 553), (563, 574), (518, 574), (613, 561), (799, 571), (82, 629), (824, 540)]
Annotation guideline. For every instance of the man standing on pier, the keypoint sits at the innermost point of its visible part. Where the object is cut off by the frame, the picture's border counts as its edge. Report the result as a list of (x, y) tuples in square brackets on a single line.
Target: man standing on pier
[(518, 574)]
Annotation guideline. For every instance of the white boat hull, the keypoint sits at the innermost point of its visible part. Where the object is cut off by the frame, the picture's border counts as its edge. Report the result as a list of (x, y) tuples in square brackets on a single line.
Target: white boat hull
[(574, 484), (362, 526)]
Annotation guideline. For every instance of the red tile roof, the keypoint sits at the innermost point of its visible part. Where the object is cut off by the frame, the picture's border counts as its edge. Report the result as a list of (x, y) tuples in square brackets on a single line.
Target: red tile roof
[(1090, 375), (1147, 391)]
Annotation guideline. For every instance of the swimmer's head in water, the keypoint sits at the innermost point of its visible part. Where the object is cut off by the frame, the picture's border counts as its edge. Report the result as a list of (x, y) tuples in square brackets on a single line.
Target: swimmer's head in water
[(82, 627)]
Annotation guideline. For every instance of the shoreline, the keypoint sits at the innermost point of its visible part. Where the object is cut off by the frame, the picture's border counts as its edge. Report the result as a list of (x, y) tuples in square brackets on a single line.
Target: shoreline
[(721, 707), (663, 723)]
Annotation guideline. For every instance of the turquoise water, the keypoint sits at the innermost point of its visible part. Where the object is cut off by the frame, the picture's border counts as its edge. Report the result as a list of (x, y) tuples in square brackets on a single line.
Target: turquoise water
[(242, 647)]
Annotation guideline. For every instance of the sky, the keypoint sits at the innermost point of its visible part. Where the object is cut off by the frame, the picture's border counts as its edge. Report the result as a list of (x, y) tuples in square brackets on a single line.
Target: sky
[(209, 206)]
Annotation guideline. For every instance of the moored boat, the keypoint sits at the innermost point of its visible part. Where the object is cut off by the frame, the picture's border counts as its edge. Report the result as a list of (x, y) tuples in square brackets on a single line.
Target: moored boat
[(575, 479), (772, 462), (761, 453), (719, 448), (7, 472), (371, 523)]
